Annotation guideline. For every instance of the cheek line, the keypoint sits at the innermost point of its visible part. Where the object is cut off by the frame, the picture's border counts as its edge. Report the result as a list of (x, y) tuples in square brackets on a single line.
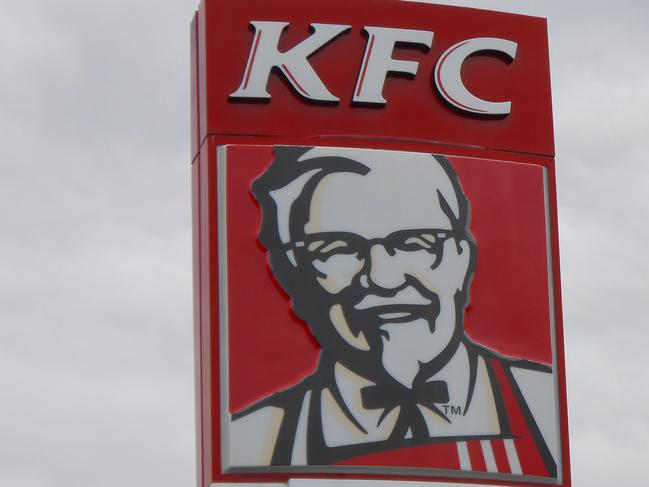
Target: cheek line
[(341, 280)]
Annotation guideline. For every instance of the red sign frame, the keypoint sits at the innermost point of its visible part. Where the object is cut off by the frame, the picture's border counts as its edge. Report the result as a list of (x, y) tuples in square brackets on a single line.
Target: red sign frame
[(221, 43)]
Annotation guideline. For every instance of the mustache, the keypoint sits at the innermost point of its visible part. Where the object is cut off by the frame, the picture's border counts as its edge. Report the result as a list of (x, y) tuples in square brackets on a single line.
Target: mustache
[(368, 312)]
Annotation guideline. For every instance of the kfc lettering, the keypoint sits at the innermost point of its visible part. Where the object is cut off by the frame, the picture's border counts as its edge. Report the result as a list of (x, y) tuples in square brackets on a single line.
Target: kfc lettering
[(377, 63)]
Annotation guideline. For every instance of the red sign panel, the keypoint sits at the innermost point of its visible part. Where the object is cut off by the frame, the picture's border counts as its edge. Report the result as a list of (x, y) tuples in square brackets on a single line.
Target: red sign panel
[(376, 259), (227, 40)]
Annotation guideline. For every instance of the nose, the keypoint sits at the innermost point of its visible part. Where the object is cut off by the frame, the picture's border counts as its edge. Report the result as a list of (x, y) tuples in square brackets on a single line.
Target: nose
[(385, 270)]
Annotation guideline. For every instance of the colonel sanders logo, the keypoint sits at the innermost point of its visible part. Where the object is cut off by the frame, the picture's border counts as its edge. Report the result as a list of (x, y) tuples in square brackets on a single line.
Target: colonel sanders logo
[(375, 251)]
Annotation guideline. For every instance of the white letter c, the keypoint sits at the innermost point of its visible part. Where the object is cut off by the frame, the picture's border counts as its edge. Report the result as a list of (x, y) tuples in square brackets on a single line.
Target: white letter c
[(448, 77)]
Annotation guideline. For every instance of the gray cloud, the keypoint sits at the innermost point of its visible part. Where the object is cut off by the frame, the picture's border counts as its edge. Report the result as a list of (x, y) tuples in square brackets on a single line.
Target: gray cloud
[(96, 336)]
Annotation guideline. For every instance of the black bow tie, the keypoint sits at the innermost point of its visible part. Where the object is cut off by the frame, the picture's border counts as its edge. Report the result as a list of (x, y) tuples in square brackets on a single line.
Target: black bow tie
[(389, 395)]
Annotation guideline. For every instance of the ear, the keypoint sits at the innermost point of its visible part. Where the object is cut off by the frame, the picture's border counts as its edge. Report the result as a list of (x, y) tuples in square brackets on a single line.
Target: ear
[(452, 270), (462, 262)]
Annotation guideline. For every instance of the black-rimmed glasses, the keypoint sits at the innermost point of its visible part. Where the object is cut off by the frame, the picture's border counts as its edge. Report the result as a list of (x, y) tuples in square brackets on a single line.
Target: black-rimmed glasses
[(321, 246)]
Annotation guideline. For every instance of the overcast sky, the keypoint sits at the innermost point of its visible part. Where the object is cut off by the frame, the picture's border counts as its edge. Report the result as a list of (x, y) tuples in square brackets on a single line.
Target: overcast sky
[(96, 364)]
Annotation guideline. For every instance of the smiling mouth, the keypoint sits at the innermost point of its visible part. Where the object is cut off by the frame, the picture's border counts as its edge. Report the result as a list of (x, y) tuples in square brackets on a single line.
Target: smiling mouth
[(395, 313), (393, 316), (407, 297)]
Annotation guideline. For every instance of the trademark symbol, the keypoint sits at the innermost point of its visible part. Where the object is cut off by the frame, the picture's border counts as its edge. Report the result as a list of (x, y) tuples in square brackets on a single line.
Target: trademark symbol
[(452, 410)]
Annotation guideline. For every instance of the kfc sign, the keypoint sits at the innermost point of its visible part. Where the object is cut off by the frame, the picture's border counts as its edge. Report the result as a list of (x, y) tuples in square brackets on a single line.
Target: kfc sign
[(377, 63), (376, 261)]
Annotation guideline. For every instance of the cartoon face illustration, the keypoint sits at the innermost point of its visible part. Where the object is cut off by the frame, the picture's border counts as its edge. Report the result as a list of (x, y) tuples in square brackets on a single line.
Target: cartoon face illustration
[(384, 274), (375, 251)]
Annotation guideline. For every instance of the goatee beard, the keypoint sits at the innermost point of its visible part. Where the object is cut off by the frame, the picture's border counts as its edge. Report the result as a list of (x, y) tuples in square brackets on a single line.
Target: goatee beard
[(407, 347)]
